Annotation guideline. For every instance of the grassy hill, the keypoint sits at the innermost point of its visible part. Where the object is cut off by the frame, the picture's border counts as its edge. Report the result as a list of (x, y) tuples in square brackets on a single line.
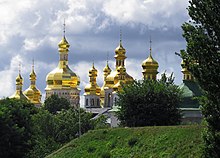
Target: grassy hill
[(144, 142)]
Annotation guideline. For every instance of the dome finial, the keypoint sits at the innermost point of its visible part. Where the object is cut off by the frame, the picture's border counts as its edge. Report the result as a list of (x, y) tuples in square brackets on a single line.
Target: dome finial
[(107, 56), (150, 46), (33, 64), (64, 27), (120, 35), (19, 68)]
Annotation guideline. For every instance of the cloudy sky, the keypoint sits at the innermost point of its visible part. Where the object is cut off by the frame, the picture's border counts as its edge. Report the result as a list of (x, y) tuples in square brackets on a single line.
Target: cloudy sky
[(32, 29)]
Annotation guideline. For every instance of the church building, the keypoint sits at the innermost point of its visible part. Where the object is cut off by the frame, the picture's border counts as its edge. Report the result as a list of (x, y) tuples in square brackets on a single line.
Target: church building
[(62, 81)]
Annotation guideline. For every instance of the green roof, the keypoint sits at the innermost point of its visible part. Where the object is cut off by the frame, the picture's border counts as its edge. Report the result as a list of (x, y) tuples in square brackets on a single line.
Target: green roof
[(190, 90)]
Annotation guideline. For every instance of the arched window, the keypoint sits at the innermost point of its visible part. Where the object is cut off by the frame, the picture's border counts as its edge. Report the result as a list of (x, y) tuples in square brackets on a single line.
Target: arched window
[(109, 97), (98, 102), (92, 102), (87, 102), (187, 77)]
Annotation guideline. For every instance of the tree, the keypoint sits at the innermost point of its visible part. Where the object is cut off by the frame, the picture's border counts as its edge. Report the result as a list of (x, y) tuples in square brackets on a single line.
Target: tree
[(149, 103), (202, 58), (15, 127), (55, 103), (51, 131)]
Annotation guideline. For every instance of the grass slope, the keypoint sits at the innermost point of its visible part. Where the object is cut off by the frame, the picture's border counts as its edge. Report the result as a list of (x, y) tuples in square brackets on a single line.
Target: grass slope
[(144, 142)]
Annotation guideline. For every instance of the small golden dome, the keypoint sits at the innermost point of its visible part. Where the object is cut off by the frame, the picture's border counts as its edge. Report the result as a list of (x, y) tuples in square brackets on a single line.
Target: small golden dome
[(18, 93), (33, 94), (92, 87), (19, 79), (32, 75), (150, 62), (93, 69), (186, 74), (107, 69), (150, 67), (183, 65), (120, 49), (63, 43)]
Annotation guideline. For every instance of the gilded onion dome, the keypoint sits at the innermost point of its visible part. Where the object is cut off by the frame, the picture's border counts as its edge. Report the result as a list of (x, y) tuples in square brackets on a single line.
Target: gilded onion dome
[(121, 72), (33, 93), (120, 57), (186, 74), (62, 77), (18, 93), (92, 88), (106, 72), (150, 67)]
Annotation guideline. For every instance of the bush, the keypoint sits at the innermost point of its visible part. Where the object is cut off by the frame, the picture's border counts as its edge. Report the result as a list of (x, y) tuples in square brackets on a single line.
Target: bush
[(149, 103)]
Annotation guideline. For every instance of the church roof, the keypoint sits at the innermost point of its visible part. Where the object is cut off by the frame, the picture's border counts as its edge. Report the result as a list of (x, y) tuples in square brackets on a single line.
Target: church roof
[(191, 90)]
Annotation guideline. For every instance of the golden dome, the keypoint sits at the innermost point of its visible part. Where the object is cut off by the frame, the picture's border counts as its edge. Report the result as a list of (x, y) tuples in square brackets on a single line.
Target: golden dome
[(92, 88), (186, 74), (150, 67), (183, 65), (62, 77), (120, 54), (18, 93), (120, 49), (33, 94), (120, 57), (19, 80), (107, 69), (121, 72), (33, 76), (93, 70), (150, 62), (63, 45), (106, 72)]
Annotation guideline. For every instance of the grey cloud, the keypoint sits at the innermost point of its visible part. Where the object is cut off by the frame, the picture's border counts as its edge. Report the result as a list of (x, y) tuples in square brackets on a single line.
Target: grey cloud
[(44, 21)]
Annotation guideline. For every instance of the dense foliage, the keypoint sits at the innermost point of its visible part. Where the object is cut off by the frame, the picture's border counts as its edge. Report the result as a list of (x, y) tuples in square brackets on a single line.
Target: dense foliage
[(55, 103), (15, 127), (202, 57), (149, 103), (144, 142), (27, 131), (51, 131)]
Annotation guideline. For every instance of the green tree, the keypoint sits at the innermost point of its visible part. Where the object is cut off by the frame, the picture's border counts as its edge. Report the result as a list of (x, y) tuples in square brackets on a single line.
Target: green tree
[(202, 57), (55, 103), (51, 131), (15, 127), (149, 103)]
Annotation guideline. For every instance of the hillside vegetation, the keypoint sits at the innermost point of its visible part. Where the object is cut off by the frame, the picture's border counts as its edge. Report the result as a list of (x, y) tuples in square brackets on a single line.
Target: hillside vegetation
[(169, 141)]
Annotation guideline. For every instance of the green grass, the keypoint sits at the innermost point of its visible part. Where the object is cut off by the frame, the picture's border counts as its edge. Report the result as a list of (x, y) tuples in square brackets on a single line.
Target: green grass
[(144, 142)]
